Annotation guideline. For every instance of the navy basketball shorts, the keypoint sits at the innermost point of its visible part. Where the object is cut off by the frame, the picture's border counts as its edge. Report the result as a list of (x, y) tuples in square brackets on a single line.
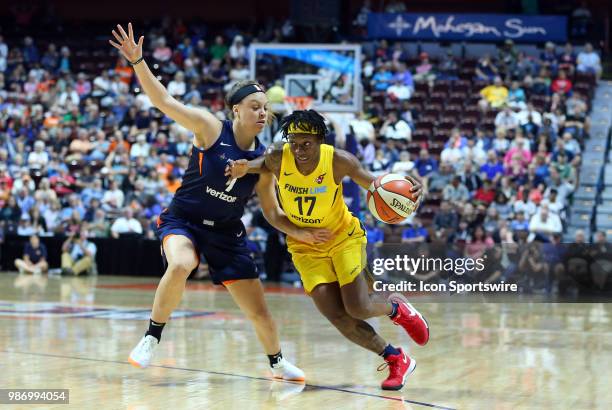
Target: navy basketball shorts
[(224, 248)]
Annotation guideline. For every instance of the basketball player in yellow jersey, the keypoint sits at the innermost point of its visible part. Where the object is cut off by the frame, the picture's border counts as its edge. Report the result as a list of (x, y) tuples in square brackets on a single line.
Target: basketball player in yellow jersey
[(309, 175)]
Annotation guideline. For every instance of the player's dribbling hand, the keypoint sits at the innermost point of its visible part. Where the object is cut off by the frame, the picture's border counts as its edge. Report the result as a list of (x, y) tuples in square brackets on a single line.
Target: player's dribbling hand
[(417, 187), (236, 169), (313, 235), (127, 46)]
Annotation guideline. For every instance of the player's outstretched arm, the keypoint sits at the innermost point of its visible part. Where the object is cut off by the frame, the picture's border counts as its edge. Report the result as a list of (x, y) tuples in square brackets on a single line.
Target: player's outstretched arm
[(269, 162), (204, 125), (277, 218), (346, 164)]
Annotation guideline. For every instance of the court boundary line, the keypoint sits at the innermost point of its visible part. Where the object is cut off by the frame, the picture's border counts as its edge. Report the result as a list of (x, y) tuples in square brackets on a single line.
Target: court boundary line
[(243, 376)]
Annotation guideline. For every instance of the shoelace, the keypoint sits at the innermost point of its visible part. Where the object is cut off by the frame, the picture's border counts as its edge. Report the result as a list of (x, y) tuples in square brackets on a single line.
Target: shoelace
[(393, 370), (382, 366), (148, 345)]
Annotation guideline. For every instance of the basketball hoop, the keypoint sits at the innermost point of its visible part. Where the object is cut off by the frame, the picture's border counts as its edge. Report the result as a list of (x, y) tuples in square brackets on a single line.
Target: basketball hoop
[(298, 103)]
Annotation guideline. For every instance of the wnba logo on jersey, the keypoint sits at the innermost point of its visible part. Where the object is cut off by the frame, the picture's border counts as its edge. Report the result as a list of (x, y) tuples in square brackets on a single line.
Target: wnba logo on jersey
[(319, 179)]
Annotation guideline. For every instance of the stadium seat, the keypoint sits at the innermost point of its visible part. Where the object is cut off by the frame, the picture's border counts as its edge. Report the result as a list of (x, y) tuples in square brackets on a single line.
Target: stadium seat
[(586, 193), (583, 205), (590, 176), (581, 219), (603, 220)]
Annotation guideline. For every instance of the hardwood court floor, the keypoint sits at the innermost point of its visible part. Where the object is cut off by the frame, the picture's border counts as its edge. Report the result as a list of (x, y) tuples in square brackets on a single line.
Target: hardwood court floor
[(76, 333)]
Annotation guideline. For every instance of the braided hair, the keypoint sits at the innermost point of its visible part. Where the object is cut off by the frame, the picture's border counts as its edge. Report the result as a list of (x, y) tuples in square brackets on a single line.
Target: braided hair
[(309, 120)]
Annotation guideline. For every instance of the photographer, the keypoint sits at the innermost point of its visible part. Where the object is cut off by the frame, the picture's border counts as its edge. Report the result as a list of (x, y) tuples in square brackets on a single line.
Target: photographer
[(78, 254)]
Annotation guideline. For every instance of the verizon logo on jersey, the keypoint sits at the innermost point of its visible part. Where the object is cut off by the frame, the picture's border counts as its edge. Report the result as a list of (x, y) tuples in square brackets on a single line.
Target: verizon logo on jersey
[(221, 195)]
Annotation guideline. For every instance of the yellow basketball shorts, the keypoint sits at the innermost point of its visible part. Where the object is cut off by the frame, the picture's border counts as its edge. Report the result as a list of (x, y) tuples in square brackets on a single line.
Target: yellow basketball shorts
[(341, 260)]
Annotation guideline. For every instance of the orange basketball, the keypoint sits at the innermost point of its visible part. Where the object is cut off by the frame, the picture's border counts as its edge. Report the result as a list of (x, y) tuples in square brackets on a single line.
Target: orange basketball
[(390, 200)]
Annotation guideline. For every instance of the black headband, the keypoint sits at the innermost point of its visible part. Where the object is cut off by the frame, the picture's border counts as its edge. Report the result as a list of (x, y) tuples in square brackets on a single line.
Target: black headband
[(243, 92)]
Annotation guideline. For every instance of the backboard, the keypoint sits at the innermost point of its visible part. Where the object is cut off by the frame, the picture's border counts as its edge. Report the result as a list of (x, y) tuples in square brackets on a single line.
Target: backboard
[(329, 73)]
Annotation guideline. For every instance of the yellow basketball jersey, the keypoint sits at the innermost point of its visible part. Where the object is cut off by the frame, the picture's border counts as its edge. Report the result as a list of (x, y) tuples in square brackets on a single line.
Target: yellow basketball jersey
[(314, 200)]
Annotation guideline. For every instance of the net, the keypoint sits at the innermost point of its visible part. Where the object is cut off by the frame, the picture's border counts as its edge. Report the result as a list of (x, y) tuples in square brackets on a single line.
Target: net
[(298, 103)]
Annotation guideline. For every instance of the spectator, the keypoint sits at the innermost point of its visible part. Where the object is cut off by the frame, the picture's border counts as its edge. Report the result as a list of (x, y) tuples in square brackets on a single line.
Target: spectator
[(381, 163), (25, 227), (523, 203), (501, 206), (177, 87), (562, 84), (126, 224), (425, 70), (567, 59), (141, 148), (440, 178), (39, 158), (383, 79), (520, 223), (448, 69), (404, 75), (396, 128), (516, 96), (416, 233), (446, 218), (99, 225), (506, 119), (485, 69), (404, 166), (162, 52), (529, 114), (113, 198), (548, 57), (240, 72), (425, 164), (78, 254), (552, 202), (453, 149), (494, 95), (545, 223), (219, 50), (25, 201), (474, 154), (477, 244), (398, 91), (579, 237), (3, 54), (470, 178), (34, 257), (456, 192), (485, 194), (589, 61), (237, 50)]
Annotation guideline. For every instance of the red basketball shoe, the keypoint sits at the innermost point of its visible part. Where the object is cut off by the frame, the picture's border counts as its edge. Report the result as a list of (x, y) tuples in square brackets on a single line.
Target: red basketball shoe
[(400, 366), (411, 320)]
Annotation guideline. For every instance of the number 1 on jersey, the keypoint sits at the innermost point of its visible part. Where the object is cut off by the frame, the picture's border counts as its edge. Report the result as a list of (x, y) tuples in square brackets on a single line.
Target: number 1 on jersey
[(311, 199)]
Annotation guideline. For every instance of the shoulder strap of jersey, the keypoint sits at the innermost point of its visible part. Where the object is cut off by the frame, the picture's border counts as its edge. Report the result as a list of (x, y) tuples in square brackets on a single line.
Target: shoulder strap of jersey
[(327, 158)]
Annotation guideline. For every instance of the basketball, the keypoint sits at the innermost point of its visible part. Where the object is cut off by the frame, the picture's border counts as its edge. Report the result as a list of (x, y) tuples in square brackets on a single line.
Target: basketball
[(390, 200)]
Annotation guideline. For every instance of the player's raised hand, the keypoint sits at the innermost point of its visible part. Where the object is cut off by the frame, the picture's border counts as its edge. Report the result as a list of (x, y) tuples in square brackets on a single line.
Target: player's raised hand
[(126, 44), (313, 235), (236, 169)]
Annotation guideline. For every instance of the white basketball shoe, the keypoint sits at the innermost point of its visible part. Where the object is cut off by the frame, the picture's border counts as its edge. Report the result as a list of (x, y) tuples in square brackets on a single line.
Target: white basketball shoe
[(284, 370), (143, 352)]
